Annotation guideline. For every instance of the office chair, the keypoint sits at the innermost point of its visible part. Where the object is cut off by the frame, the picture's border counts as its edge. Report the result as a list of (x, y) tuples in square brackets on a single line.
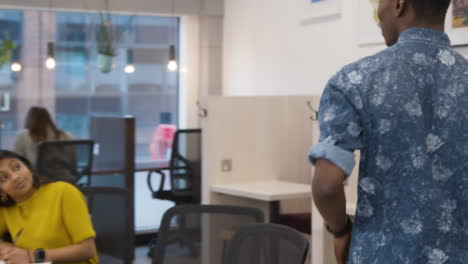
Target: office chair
[(195, 233), (110, 213), (65, 160), (267, 244), (301, 222), (184, 170)]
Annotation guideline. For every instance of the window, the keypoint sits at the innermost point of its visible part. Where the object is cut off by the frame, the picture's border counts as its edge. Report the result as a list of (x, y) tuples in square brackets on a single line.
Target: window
[(82, 90), (77, 89), (11, 25)]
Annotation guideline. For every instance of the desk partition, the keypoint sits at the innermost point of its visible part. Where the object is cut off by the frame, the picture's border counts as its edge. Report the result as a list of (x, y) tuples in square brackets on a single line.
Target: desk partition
[(264, 137), (114, 157)]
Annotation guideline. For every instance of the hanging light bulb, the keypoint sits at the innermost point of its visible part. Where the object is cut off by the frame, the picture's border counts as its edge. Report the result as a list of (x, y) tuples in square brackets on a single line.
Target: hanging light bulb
[(50, 61), (16, 67), (129, 68), (172, 65)]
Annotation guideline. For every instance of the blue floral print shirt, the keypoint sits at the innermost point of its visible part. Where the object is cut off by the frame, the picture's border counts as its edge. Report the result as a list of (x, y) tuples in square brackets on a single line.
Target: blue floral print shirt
[(406, 110)]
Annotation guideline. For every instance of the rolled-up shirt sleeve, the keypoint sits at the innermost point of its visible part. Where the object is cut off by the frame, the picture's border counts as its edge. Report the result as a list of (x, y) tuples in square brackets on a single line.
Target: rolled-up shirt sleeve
[(340, 129)]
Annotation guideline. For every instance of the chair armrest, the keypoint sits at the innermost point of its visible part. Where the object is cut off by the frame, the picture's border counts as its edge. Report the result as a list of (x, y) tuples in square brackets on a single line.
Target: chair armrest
[(161, 183), (163, 177)]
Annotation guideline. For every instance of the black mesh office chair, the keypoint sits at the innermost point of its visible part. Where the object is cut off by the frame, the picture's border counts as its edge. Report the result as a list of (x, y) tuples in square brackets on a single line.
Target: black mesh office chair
[(109, 209), (65, 160), (184, 170), (267, 244), (196, 233)]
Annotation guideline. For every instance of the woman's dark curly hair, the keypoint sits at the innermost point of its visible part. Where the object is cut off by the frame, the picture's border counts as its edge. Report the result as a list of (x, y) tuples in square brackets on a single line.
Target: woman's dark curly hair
[(37, 181)]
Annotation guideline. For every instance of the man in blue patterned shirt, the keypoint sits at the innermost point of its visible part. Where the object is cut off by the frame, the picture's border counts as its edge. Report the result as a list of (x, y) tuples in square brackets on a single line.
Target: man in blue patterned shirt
[(406, 110)]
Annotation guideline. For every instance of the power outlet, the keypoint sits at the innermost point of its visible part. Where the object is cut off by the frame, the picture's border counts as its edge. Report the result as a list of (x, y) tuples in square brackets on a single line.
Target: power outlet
[(226, 165)]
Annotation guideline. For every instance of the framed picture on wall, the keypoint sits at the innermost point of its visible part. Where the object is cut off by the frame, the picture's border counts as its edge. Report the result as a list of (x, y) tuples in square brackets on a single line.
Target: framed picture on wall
[(315, 11), (456, 24), (369, 32)]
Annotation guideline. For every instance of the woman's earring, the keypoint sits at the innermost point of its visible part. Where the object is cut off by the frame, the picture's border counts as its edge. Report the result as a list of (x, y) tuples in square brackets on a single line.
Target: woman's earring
[(3, 197)]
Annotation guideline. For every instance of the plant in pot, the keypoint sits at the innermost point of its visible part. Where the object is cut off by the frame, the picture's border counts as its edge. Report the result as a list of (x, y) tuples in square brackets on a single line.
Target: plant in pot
[(6, 50), (107, 37)]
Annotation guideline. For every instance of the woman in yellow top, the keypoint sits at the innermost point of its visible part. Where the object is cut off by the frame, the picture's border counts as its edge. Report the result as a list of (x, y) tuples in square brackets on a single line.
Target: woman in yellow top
[(46, 221)]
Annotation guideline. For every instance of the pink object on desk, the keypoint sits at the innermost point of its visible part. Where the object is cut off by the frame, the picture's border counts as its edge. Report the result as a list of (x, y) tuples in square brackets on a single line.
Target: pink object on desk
[(162, 142)]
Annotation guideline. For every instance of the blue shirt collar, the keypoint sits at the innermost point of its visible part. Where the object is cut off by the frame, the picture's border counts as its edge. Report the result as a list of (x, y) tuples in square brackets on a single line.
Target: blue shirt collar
[(424, 34)]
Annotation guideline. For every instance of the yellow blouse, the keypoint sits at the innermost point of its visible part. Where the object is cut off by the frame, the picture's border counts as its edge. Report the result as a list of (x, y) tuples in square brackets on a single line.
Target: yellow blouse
[(55, 216)]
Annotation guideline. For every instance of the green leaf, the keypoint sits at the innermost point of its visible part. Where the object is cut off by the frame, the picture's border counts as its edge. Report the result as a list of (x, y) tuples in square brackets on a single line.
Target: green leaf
[(6, 51)]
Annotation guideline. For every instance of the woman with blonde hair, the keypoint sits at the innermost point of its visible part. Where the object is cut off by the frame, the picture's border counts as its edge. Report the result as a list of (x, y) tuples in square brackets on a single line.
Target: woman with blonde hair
[(38, 127)]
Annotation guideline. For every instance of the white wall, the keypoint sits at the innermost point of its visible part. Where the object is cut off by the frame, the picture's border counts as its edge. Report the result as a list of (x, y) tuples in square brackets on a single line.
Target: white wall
[(268, 52)]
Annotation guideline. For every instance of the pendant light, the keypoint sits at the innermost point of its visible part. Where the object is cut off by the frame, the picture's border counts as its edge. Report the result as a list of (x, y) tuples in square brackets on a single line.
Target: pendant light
[(50, 60), (129, 68), (172, 64), (16, 65)]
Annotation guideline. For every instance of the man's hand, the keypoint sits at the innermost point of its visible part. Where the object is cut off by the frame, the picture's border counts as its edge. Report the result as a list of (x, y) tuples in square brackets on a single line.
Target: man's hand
[(342, 248), (14, 255)]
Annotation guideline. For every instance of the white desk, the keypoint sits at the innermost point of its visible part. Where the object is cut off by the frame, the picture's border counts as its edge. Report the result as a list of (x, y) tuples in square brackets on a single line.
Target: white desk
[(271, 191)]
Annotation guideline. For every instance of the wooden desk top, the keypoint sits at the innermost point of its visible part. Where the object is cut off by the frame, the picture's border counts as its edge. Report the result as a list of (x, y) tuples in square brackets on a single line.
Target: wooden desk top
[(267, 190), (140, 166)]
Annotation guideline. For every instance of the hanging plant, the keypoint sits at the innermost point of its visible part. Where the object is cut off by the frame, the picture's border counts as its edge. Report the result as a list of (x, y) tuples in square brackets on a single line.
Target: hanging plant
[(6, 51), (107, 37)]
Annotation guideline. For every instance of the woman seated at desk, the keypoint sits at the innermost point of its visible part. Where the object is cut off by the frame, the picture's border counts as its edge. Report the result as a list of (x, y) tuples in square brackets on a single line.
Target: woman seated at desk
[(38, 127), (46, 221)]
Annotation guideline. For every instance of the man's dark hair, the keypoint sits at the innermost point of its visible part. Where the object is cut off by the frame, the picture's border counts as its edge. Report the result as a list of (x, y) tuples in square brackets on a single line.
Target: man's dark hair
[(430, 10)]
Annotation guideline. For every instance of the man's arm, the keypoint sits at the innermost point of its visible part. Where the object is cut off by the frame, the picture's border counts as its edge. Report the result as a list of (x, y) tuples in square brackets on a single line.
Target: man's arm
[(329, 197), (341, 133), (328, 194)]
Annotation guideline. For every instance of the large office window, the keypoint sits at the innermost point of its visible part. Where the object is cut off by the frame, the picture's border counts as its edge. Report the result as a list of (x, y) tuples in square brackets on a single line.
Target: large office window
[(78, 89), (10, 28), (82, 90)]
